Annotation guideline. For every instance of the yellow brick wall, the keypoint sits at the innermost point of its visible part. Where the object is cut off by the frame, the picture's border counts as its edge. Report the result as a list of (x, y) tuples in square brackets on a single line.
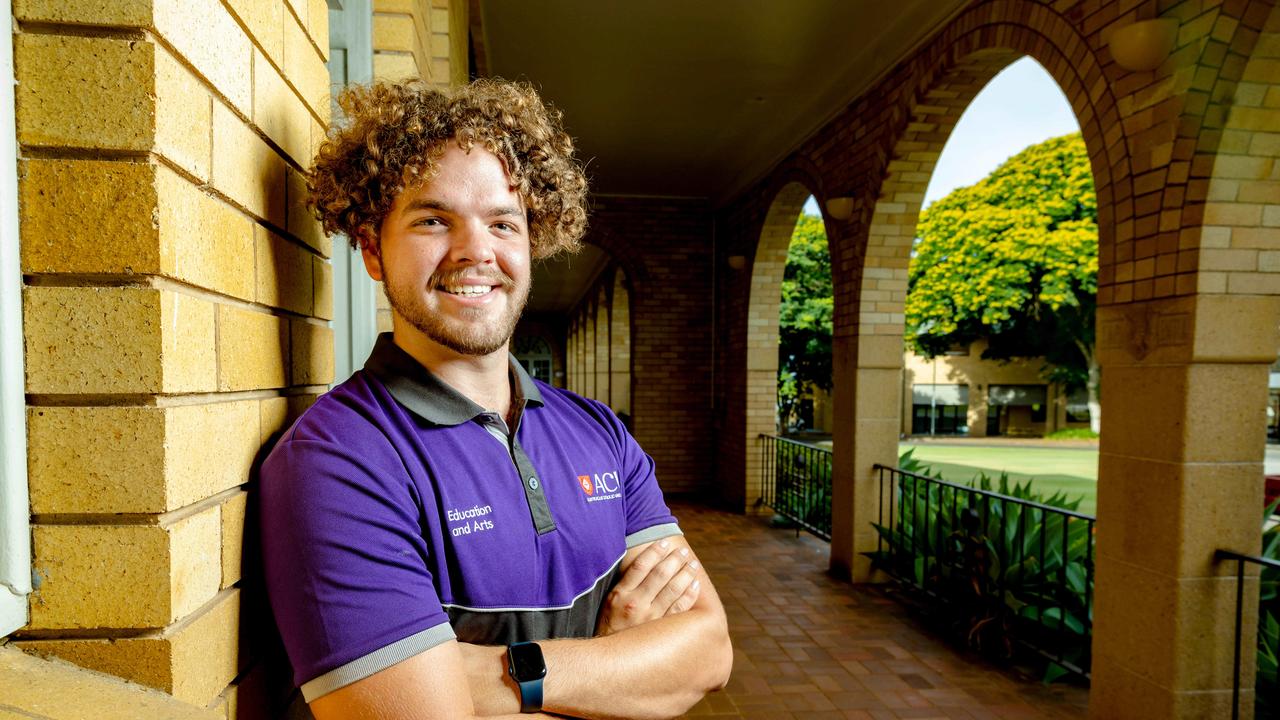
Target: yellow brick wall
[(417, 38), (176, 298)]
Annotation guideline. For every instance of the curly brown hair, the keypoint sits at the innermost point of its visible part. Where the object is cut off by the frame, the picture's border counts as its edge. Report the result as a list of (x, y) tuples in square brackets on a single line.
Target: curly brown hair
[(394, 135)]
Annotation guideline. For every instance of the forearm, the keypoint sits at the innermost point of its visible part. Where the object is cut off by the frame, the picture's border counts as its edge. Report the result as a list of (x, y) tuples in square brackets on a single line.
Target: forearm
[(656, 670)]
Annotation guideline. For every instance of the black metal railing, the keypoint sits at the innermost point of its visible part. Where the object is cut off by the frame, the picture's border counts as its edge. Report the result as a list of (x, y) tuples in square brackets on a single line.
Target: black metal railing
[(999, 569), (1267, 647), (795, 482)]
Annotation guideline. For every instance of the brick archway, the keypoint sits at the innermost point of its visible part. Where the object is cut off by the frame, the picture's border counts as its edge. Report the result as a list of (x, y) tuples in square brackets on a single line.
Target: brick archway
[(939, 84), (603, 355), (620, 344), (765, 295), (1184, 159), (599, 339)]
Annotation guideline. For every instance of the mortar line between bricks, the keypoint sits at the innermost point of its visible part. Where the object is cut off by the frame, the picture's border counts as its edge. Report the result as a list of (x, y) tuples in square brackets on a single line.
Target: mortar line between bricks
[(106, 32), (292, 12), (20, 711), (160, 40), (143, 400), (159, 282), (253, 40), (163, 520), (36, 152), (306, 32), (151, 633), (62, 152)]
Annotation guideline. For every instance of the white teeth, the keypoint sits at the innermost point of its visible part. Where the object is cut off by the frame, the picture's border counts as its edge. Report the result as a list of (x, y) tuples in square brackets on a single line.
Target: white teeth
[(467, 289)]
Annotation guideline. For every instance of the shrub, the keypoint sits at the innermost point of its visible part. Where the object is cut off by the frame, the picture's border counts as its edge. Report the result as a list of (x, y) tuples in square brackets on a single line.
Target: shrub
[(999, 573), (1072, 434)]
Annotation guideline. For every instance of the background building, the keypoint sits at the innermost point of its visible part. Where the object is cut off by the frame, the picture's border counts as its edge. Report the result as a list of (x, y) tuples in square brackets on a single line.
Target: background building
[(960, 393)]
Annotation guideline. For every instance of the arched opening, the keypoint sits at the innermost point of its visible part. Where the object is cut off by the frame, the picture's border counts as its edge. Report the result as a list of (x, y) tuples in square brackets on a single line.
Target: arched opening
[(804, 333), (762, 342), (620, 347), (870, 322), (572, 375), (1002, 289), (603, 358), (1000, 326), (589, 350)]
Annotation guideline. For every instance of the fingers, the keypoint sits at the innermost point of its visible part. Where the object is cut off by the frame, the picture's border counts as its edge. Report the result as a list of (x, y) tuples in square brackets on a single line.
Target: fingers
[(664, 579), (680, 584), (686, 599), (662, 574), (644, 564)]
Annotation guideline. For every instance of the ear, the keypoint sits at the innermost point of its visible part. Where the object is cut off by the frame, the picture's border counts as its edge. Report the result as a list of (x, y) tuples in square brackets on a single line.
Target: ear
[(369, 251)]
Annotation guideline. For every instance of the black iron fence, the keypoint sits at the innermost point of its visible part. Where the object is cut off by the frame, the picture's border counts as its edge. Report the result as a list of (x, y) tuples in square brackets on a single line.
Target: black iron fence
[(795, 482), (1267, 647), (1000, 570)]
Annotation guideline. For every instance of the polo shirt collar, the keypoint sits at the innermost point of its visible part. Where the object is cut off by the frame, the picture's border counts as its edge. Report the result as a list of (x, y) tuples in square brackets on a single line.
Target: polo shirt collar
[(413, 386)]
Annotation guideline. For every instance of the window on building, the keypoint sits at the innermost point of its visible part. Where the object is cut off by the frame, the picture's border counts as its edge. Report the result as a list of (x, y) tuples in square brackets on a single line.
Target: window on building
[(1078, 406), (939, 409), (1016, 409), (534, 353)]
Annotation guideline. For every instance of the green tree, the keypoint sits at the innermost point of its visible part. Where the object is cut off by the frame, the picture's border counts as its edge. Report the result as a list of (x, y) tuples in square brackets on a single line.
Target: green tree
[(1014, 259), (804, 320)]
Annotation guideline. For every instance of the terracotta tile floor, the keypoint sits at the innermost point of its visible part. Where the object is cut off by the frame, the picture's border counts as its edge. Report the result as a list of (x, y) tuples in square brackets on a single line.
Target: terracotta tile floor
[(808, 646)]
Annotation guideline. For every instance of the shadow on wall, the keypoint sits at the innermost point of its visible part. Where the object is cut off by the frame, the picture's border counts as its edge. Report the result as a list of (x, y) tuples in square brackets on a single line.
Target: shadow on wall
[(293, 278)]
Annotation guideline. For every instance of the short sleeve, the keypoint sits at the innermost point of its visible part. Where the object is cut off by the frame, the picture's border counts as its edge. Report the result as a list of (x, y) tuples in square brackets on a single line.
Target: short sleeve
[(345, 561), (648, 517)]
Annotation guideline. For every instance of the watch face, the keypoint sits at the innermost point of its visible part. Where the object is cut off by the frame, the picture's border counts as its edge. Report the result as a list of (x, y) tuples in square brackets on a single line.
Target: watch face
[(527, 662)]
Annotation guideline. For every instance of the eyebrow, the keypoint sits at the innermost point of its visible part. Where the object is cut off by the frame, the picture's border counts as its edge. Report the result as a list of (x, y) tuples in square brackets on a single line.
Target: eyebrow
[(431, 204)]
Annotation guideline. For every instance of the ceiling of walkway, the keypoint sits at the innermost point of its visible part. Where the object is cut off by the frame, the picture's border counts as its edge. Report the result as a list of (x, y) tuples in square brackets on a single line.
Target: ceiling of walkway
[(698, 98)]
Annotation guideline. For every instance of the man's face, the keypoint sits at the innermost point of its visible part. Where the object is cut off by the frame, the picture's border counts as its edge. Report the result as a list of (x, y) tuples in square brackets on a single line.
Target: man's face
[(453, 255)]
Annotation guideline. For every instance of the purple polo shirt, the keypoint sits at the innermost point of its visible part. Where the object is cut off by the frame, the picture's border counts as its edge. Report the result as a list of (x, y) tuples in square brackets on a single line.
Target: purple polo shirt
[(397, 514)]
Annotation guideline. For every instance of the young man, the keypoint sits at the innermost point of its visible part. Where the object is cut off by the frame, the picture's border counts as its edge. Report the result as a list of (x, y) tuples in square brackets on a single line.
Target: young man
[(443, 536)]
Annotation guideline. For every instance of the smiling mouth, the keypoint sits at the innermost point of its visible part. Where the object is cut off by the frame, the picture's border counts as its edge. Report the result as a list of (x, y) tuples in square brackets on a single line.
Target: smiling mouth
[(466, 290)]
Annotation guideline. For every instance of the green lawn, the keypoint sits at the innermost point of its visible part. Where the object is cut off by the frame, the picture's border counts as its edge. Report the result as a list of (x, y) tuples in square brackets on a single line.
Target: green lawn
[(1073, 471)]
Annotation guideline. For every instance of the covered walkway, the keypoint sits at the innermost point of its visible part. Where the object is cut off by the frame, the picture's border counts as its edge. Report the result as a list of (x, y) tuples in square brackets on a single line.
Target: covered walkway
[(809, 646)]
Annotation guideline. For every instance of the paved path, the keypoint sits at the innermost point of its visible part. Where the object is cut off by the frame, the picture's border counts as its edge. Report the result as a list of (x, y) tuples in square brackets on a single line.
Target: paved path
[(811, 648)]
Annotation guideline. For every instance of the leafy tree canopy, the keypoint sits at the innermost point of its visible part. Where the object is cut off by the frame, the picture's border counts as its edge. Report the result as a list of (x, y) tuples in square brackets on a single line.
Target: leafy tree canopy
[(804, 319), (1014, 259)]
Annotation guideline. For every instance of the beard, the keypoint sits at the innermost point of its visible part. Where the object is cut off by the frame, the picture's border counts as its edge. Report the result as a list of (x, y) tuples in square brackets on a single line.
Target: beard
[(473, 331)]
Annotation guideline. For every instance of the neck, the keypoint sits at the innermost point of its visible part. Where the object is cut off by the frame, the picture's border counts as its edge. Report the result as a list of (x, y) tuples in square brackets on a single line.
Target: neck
[(483, 379)]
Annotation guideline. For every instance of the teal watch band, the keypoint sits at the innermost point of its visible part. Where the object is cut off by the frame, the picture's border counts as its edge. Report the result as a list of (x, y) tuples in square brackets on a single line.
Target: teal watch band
[(527, 667)]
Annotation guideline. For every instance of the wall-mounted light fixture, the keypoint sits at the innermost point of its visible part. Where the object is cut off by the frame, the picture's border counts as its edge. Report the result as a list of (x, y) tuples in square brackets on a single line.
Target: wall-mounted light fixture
[(840, 208), (1143, 45), (737, 262)]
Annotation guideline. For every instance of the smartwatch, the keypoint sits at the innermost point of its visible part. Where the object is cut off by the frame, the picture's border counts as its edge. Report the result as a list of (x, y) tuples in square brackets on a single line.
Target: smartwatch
[(527, 667)]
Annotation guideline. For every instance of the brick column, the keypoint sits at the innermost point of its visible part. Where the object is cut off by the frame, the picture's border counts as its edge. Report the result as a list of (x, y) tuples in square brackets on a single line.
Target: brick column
[(175, 314), (416, 38), (868, 390), (1180, 476)]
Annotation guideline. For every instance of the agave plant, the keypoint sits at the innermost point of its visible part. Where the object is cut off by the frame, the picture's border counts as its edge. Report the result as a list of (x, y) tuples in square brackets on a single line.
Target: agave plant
[(1002, 566)]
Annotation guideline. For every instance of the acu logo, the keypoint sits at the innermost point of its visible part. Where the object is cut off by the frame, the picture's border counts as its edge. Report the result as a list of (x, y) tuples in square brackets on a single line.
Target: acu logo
[(599, 483)]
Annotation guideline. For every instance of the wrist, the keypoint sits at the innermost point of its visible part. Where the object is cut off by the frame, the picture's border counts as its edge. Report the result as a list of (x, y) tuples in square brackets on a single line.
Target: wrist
[(527, 667)]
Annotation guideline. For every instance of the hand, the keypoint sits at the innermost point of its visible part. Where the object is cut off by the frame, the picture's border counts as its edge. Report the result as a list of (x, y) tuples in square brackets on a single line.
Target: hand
[(661, 581)]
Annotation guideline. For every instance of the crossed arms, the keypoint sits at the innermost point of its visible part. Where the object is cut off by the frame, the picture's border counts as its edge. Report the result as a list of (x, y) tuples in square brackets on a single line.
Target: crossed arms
[(661, 645)]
